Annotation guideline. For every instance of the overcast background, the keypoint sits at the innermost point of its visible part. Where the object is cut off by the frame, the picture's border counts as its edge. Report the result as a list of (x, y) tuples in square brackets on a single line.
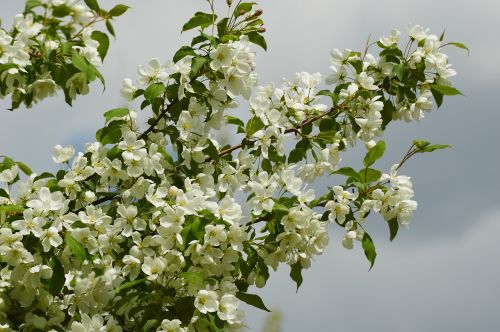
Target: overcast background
[(440, 275)]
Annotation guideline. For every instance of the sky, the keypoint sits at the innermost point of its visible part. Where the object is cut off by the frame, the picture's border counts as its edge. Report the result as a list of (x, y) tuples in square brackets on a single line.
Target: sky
[(441, 274)]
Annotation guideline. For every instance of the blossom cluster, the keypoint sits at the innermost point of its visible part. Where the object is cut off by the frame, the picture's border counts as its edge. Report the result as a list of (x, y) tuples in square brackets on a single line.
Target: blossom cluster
[(167, 229), (48, 36)]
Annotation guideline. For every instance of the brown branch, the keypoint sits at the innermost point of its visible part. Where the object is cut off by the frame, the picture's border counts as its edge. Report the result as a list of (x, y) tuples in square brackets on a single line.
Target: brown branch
[(290, 130), (157, 120)]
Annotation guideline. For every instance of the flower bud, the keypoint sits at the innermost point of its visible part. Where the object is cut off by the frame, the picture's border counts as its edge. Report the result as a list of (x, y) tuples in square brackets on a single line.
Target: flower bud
[(251, 278), (257, 13), (89, 196), (260, 281), (229, 2), (370, 144)]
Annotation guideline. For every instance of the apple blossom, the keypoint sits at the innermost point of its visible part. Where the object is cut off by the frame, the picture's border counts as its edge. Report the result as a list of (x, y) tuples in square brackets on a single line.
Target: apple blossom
[(165, 226)]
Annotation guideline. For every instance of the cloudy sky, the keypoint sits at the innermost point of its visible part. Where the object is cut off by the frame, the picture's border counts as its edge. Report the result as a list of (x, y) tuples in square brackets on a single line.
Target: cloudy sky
[(440, 275)]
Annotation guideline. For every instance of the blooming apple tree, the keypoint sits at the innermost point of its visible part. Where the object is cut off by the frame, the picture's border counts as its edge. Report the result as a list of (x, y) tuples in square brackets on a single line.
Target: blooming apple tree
[(167, 229)]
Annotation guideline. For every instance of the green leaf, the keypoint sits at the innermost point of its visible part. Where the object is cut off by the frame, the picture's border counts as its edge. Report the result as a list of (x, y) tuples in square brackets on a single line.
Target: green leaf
[(61, 11), (253, 300), (257, 39), (350, 172), (296, 155), (222, 27), (369, 249), (44, 175), (326, 124), (434, 147), (446, 90), (296, 274), (438, 97), (234, 121), (150, 325), (116, 113), (280, 210), (103, 41), (201, 20), (12, 208), (243, 8), (370, 175), (420, 144), (253, 125), (23, 167), (387, 113), (129, 284), (3, 193), (82, 64), (401, 71), (184, 308), (110, 28), (92, 4), (459, 45), (110, 134), (30, 4), (183, 52), (393, 228), (197, 63), (118, 10), (154, 90), (76, 248), (7, 163), (58, 278), (7, 66), (357, 65), (193, 278), (374, 154)]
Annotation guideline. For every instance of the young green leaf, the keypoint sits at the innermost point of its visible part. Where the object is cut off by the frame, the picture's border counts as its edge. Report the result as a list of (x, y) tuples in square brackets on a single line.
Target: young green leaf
[(116, 113), (12, 208), (183, 52), (253, 125), (110, 134), (446, 90), (82, 64), (23, 167), (234, 121), (459, 45), (92, 4), (434, 147), (243, 8), (118, 10), (196, 65), (201, 20), (374, 154), (150, 325), (401, 71), (349, 172), (129, 284), (154, 90), (193, 278), (76, 248), (110, 28)]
